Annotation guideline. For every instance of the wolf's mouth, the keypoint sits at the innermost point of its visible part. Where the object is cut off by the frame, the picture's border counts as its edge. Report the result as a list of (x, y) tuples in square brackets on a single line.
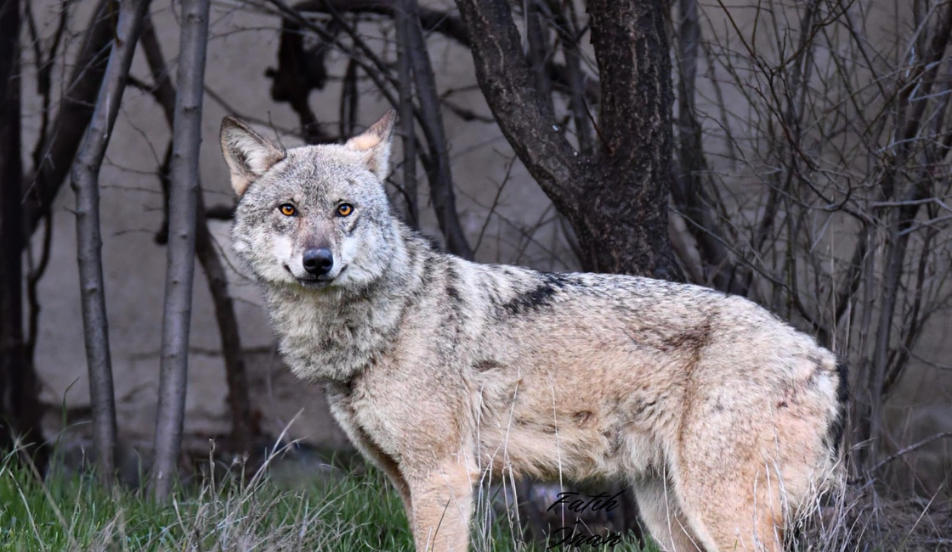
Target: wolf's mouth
[(314, 282)]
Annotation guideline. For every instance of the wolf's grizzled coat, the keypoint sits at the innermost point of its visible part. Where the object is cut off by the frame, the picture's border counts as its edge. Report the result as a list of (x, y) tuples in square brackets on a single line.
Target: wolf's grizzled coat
[(722, 418)]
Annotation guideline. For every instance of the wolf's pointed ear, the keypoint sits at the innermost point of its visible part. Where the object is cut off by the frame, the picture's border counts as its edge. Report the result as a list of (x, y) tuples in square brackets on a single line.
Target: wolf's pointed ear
[(248, 154), (376, 142)]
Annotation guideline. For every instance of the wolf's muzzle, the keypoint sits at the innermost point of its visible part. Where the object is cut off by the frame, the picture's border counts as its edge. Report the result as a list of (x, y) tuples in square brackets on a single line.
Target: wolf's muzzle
[(318, 261)]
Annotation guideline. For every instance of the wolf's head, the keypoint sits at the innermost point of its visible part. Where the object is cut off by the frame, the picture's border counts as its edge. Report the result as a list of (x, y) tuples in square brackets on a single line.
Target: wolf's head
[(313, 216)]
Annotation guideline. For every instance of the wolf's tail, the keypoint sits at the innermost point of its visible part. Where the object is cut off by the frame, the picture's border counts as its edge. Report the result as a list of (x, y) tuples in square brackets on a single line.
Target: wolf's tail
[(835, 432), (835, 477), (823, 504)]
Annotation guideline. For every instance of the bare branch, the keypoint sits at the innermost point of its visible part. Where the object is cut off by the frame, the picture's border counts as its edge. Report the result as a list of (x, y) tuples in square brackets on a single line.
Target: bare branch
[(505, 78), (577, 79), (163, 90), (378, 73), (911, 448), (431, 20), (299, 71), (349, 101), (44, 72), (539, 53), (444, 23), (75, 112)]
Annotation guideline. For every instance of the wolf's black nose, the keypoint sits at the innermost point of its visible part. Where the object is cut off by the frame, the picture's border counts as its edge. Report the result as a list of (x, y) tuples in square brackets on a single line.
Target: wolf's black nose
[(318, 261)]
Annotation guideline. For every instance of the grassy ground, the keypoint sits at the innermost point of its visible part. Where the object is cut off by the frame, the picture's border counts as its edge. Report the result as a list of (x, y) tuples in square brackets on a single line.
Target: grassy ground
[(350, 510), (346, 512)]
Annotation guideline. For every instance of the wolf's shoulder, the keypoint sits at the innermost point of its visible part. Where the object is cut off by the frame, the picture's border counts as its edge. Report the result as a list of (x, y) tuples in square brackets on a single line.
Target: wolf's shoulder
[(519, 290), (595, 283)]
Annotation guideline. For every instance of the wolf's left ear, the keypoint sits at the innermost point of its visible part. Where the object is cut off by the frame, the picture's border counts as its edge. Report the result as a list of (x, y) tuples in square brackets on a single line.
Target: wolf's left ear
[(248, 154), (376, 142)]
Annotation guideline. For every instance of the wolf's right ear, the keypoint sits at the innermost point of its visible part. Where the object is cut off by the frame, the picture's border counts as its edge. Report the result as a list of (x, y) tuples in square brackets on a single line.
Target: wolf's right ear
[(248, 154), (375, 143)]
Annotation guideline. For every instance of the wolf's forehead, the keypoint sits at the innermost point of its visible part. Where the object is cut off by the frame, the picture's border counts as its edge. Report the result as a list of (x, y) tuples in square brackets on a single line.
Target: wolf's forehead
[(317, 175)]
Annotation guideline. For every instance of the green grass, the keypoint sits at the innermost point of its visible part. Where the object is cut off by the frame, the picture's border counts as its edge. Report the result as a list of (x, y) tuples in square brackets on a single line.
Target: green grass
[(344, 513)]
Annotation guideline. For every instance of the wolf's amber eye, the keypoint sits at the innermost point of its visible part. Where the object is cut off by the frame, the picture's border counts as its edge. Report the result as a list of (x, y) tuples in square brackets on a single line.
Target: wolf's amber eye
[(345, 209), (288, 210)]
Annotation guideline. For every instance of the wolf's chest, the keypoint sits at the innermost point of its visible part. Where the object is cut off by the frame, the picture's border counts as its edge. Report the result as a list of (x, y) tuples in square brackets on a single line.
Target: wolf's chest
[(323, 343)]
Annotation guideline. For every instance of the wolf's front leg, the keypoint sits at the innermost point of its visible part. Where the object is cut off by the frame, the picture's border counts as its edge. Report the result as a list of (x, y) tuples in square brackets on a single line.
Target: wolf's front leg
[(340, 407), (442, 500)]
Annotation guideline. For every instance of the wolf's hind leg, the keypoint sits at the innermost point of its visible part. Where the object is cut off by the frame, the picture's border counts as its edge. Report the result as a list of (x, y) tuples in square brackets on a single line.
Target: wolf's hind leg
[(731, 498), (662, 516), (442, 502), (735, 520)]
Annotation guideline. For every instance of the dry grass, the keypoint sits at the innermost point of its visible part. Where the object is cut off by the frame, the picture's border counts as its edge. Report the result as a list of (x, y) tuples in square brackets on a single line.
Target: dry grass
[(340, 511)]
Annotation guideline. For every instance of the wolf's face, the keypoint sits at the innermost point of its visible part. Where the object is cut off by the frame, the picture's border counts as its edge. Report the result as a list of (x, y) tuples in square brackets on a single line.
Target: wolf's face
[(314, 216)]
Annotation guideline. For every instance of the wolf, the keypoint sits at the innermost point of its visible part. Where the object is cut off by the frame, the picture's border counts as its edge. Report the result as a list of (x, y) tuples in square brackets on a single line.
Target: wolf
[(724, 420)]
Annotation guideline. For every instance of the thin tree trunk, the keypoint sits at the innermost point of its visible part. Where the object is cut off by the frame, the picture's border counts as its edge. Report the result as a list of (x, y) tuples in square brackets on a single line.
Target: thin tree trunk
[(626, 222), (183, 205), (20, 409), (911, 122), (85, 182), (438, 171), (404, 71), (244, 428), (11, 227), (163, 90), (900, 219)]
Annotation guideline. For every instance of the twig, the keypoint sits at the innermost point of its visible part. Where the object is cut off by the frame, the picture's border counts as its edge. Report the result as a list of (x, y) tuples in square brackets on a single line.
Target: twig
[(44, 71), (466, 114), (380, 81), (904, 451), (569, 37), (688, 190), (432, 20), (349, 101), (495, 203)]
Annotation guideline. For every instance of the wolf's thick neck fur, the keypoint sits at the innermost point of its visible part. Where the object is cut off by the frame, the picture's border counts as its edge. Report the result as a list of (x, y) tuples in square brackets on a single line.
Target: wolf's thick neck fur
[(330, 335)]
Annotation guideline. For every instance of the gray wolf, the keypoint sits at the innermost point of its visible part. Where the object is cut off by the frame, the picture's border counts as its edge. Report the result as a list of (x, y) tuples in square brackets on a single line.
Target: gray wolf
[(723, 419)]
